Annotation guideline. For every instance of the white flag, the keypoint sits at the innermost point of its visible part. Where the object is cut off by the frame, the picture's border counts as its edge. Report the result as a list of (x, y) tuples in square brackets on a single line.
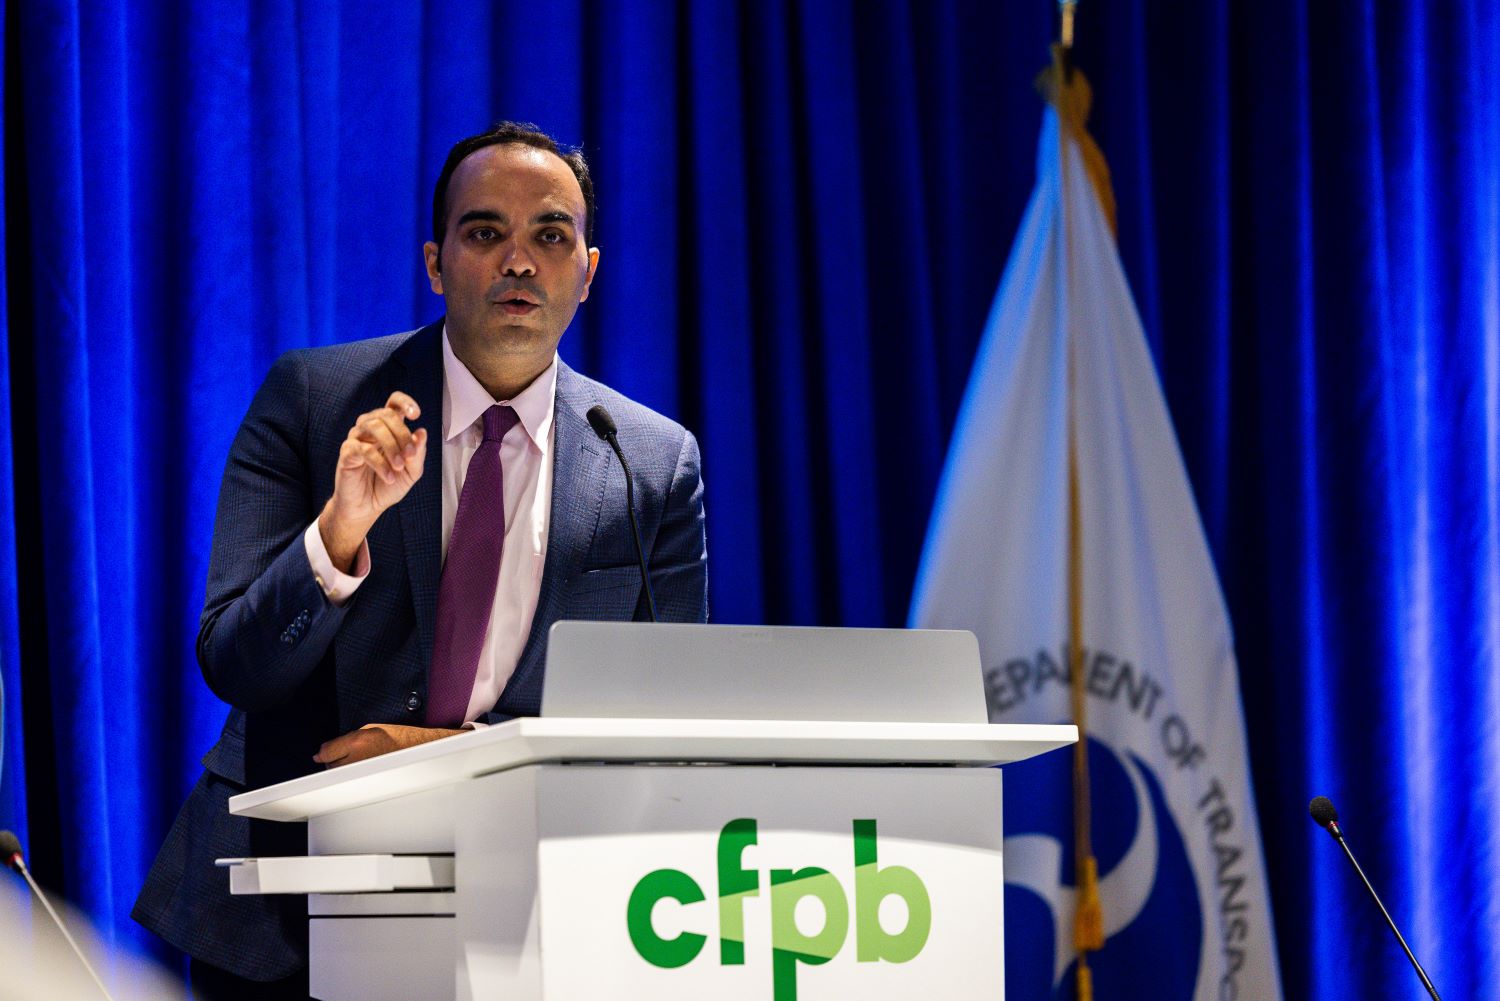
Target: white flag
[(1182, 880)]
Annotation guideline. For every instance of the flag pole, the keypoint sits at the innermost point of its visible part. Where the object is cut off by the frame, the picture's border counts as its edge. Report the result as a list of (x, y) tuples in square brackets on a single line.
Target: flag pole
[(1088, 919)]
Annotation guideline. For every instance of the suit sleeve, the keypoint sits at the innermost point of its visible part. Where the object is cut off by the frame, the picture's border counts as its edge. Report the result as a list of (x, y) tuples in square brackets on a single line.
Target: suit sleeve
[(679, 556), (266, 623)]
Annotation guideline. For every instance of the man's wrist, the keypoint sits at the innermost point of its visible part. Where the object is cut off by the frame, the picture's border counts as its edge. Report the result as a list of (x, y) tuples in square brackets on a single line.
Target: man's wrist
[(341, 538)]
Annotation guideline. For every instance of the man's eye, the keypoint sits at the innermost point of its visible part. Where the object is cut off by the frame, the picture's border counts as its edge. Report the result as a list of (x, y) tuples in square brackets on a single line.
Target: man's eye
[(484, 233), (551, 236)]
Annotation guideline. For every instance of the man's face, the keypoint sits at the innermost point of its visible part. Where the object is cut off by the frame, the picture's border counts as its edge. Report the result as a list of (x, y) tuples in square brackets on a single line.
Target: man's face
[(514, 264)]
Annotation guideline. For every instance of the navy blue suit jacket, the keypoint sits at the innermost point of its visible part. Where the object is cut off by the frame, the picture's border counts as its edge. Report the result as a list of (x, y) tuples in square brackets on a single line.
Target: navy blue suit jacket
[(297, 670)]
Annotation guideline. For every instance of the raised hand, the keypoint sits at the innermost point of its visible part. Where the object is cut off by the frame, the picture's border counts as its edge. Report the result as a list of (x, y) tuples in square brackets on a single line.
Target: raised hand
[(378, 463)]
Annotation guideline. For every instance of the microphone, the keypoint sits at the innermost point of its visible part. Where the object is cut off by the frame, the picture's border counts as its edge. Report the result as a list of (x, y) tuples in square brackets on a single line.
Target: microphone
[(1327, 817), (604, 426), (10, 855), (10, 851)]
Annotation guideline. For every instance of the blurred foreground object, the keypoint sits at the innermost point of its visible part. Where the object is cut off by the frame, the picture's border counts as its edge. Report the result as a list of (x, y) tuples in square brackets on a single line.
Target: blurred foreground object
[(38, 965)]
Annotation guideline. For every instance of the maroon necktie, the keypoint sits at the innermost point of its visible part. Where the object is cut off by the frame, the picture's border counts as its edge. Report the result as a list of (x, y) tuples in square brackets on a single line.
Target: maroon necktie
[(471, 571)]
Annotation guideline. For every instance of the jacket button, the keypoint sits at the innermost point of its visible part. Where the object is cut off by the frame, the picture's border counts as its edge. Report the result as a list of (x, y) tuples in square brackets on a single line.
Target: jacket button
[(413, 702)]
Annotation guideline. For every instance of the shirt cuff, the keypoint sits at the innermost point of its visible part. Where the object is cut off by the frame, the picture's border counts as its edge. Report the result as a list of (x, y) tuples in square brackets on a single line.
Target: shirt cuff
[(337, 586), (475, 724)]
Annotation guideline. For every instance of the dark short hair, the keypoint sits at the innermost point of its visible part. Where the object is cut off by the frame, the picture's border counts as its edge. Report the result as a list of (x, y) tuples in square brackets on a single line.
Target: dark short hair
[(525, 134)]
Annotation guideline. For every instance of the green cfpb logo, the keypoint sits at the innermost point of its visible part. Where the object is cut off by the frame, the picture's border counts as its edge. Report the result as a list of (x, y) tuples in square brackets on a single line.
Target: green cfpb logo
[(789, 946)]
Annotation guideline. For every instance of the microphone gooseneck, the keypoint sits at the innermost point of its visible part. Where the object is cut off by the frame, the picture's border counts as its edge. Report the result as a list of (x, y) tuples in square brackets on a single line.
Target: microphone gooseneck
[(604, 426), (10, 854), (1326, 816)]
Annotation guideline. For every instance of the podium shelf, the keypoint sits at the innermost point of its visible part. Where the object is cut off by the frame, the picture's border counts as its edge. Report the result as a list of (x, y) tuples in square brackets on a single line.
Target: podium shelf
[(338, 874), (538, 740)]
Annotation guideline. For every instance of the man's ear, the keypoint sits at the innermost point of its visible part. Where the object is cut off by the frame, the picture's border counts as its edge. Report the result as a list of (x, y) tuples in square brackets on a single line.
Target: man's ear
[(588, 279), (432, 257)]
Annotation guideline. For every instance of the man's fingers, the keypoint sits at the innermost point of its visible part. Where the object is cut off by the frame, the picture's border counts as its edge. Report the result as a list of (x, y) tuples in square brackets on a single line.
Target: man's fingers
[(390, 466), (393, 422), (368, 741), (376, 460), (417, 454), (374, 739), (404, 405), (352, 454), (333, 751), (381, 440), (377, 429)]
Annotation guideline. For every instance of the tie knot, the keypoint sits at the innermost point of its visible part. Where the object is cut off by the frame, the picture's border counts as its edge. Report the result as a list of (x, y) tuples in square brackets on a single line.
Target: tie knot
[(498, 421)]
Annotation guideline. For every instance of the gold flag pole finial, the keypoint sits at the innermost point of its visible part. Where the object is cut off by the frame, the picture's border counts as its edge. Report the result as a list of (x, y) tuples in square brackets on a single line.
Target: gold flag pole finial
[(1065, 10)]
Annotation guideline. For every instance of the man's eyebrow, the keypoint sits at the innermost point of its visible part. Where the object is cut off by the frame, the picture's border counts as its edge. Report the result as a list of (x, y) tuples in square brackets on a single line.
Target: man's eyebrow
[(481, 215), (555, 216)]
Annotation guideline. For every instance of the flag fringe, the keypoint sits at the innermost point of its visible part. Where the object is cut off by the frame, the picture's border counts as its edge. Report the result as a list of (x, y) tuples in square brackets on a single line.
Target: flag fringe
[(1088, 922)]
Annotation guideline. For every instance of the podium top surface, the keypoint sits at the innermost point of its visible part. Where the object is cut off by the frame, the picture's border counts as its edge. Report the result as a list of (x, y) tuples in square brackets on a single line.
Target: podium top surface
[(538, 740)]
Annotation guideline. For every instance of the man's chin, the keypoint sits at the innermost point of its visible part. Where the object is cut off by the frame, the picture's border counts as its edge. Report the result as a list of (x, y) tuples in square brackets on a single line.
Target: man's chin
[(512, 338), (522, 339)]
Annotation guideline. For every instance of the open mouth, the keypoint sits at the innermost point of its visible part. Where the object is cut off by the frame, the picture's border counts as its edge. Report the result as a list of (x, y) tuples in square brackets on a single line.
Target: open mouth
[(518, 307)]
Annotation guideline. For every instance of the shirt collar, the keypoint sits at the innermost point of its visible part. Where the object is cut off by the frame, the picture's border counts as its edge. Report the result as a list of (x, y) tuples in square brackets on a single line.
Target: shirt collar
[(465, 400)]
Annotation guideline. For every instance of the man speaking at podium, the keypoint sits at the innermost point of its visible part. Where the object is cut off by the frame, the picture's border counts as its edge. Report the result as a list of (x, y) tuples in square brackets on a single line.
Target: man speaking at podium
[(371, 588)]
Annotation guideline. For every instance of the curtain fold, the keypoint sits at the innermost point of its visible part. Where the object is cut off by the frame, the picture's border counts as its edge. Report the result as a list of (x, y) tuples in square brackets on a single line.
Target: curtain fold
[(12, 734), (804, 209)]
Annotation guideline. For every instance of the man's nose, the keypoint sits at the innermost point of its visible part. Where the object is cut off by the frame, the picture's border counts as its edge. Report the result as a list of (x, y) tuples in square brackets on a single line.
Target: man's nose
[(517, 261)]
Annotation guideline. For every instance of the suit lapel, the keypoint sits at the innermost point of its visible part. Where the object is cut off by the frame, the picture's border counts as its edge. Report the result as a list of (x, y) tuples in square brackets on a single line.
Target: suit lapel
[(577, 497), (418, 371)]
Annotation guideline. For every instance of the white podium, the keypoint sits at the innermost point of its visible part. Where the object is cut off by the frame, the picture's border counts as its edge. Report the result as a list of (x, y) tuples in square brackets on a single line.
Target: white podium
[(582, 857)]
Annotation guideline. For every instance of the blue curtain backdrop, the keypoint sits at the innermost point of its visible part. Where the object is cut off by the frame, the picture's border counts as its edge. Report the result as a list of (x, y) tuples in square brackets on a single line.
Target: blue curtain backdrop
[(804, 209)]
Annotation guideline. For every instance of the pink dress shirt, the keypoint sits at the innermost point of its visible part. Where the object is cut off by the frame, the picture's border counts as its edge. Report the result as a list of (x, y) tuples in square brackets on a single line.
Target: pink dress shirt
[(526, 455)]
